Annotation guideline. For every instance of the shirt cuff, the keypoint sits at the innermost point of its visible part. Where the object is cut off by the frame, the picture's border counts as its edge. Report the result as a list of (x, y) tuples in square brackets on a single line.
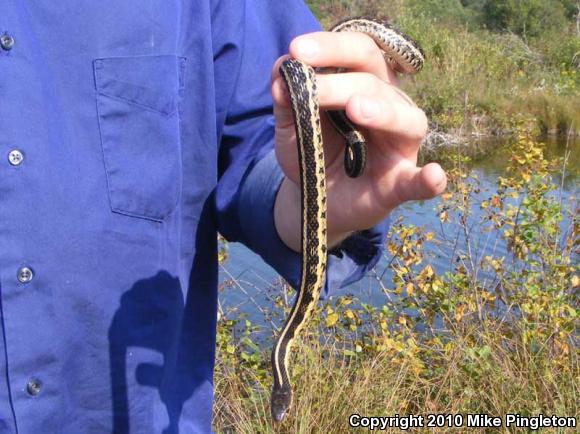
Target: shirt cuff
[(347, 263)]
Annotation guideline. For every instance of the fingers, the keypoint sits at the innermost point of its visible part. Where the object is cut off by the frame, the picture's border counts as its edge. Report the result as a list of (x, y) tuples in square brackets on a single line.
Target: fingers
[(392, 116), (276, 68), (334, 90), (281, 99), (368, 101), (366, 92), (354, 51)]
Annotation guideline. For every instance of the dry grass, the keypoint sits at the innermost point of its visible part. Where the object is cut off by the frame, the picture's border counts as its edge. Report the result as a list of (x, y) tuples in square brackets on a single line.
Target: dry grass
[(494, 333), (475, 80), (330, 388)]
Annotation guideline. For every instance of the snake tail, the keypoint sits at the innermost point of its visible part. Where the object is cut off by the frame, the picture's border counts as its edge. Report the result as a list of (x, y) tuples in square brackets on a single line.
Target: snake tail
[(355, 154), (301, 83), (401, 52)]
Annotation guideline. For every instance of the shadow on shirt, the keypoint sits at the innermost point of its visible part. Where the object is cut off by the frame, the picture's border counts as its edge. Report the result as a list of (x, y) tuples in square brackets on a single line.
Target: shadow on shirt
[(153, 316)]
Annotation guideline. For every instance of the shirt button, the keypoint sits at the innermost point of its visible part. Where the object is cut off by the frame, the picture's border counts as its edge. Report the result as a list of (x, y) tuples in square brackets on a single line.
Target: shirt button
[(15, 157), (24, 275), (6, 42), (33, 386)]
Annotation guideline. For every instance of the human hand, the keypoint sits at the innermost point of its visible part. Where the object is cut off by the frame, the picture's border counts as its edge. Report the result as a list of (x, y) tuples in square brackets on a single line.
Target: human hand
[(393, 125)]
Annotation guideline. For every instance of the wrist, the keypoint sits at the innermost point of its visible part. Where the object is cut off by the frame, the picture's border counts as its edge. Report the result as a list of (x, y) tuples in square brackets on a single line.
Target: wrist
[(288, 218), (287, 214)]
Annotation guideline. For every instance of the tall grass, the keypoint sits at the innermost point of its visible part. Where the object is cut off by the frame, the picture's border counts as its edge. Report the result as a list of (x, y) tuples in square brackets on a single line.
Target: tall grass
[(477, 80), (495, 332)]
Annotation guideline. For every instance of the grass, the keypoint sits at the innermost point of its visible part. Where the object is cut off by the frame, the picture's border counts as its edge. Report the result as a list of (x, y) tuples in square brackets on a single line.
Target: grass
[(496, 330), (494, 333), (331, 388), (476, 81)]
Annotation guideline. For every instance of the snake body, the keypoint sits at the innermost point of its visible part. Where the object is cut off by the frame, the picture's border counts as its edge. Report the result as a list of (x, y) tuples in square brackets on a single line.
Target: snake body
[(405, 56)]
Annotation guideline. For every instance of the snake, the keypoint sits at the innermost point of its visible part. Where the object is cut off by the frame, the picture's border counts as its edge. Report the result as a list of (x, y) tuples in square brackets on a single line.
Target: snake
[(403, 55)]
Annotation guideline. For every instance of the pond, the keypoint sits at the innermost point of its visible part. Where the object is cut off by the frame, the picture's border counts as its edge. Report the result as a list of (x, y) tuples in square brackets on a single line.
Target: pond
[(249, 285)]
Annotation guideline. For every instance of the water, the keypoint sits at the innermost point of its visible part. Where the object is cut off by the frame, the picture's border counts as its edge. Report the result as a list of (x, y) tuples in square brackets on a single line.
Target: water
[(249, 285)]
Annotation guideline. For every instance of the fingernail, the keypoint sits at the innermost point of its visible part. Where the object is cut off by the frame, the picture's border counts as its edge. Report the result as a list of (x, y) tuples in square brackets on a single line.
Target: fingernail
[(369, 108), (307, 48)]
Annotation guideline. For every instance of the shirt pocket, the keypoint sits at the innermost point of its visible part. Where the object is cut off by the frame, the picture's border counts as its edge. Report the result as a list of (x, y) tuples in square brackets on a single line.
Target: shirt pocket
[(137, 104)]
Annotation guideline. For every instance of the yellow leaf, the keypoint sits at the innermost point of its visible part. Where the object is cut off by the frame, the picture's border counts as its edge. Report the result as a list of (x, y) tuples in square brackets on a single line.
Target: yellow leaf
[(331, 320), (459, 313), (446, 196), (436, 286)]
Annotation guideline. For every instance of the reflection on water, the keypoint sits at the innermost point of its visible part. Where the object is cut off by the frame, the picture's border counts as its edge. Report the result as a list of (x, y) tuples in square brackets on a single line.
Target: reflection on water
[(252, 276), (494, 165)]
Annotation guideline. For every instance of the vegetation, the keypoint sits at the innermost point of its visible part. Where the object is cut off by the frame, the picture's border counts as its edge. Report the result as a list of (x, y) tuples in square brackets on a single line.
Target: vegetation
[(488, 60), (494, 332)]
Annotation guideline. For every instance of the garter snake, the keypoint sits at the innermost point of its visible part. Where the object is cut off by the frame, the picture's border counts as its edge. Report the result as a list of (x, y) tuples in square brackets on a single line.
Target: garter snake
[(404, 55)]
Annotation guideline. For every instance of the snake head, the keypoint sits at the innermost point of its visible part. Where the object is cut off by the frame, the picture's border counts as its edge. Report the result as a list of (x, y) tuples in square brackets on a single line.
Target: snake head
[(280, 402)]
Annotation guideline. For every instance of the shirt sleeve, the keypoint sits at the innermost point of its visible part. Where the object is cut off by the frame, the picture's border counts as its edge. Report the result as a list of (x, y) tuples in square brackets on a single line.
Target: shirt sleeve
[(246, 44)]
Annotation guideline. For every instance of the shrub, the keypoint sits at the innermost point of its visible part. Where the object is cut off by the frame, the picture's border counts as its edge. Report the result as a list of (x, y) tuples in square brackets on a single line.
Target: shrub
[(493, 332)]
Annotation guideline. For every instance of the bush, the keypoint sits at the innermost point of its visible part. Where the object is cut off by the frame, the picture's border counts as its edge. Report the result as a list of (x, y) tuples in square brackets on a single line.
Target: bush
[(477, 79), (493, 332), (527, 18)]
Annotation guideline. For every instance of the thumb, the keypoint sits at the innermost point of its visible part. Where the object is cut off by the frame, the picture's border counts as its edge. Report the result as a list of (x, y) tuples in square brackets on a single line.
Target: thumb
[(280, 96), (421, 183)]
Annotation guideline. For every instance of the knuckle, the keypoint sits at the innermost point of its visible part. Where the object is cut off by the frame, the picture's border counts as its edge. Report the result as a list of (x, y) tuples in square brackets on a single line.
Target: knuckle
[(421, 124), (373, 84), (368, 49), (418, 125), (358, 43)]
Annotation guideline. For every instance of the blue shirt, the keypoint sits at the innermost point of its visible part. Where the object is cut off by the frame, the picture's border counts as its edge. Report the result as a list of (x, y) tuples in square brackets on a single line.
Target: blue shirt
[(131, 131)]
